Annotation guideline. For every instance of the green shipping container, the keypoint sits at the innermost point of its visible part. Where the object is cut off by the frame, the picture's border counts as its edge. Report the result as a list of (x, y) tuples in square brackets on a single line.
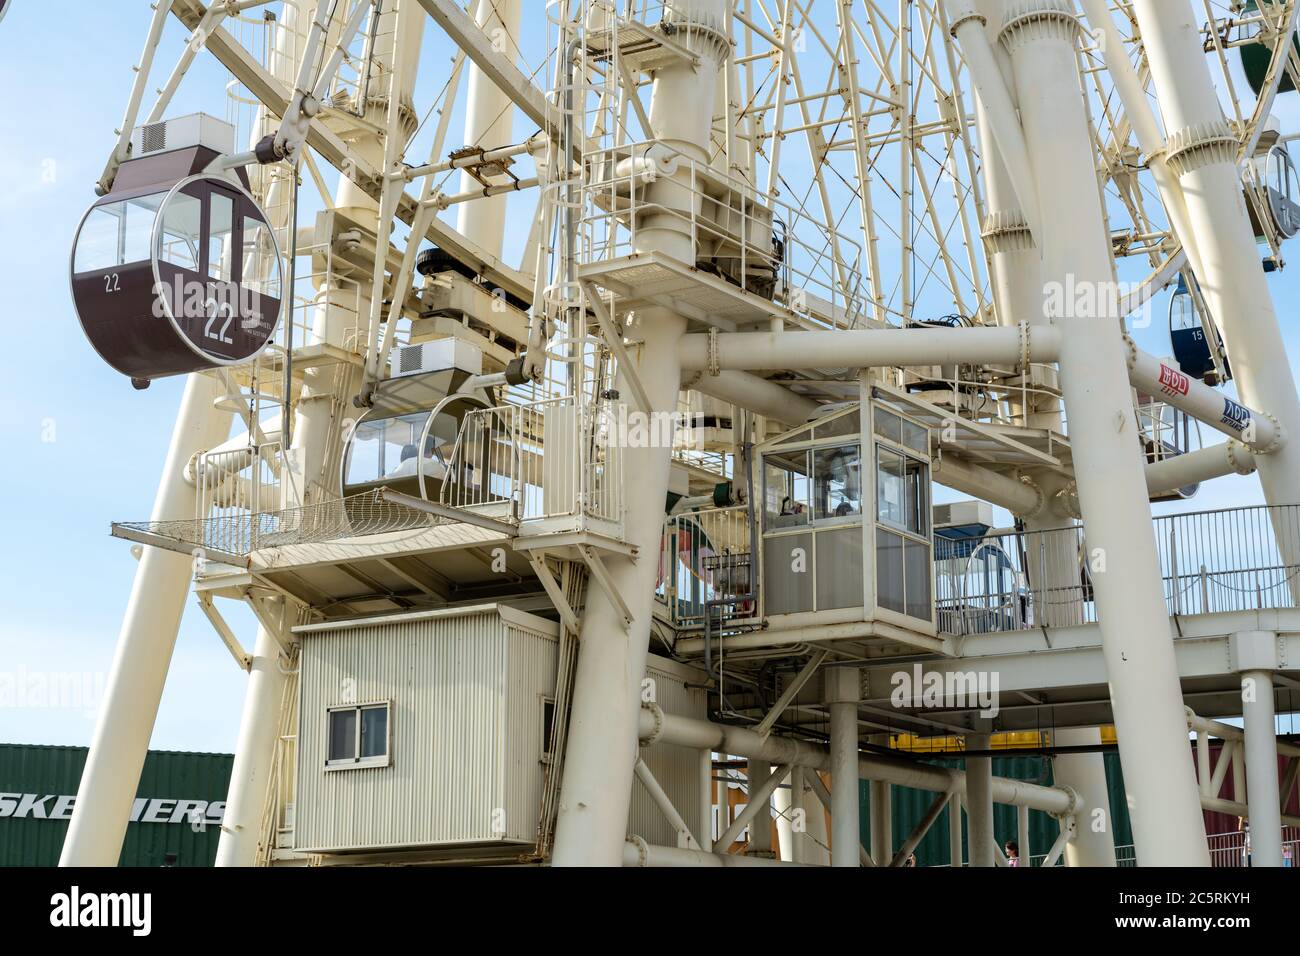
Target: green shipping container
[(910, 806), (176, 815)]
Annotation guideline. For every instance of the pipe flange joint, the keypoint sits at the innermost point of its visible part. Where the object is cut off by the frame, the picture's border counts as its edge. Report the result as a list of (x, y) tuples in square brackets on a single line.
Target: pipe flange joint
[(1236, 452), (1065, 503), (714, 368), (965, 18), (1131, 351), (1200, 145), (642, 849), (1030, 20), (1007, 230), (1279, 435), (1040, 499), (1076, 800), (657, 712)]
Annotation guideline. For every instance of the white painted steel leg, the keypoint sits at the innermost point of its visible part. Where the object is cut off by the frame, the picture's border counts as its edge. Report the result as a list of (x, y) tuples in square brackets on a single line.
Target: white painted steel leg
[(783, 802), (254, 753), (843, 692), (1262, 794), (882, 814), (1125, 572), (489, 121), (979, 802), (1202, 152), (1085, 773), (603, 727), (760, 834), (144, 648), (1022, 836), (955, 855)]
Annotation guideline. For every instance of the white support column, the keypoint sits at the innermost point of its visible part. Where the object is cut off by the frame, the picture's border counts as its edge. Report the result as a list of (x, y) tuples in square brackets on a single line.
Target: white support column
[(1202, 153), (1022, 836), (979, 803), (144, 647), (1040, 36), (882, 814), (254, 754), (489, 123), (843, 692), (603, 724), (760, 830), (1262, 795), (1085, 773), (813, 846), (706, 799), (783, 803), (955, 855)]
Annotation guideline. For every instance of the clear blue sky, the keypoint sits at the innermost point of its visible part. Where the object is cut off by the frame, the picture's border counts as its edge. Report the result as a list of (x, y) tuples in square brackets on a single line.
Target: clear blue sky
[(82, 448)]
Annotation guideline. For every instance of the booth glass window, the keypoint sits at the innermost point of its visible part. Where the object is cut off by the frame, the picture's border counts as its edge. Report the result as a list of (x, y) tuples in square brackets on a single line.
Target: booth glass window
[(786, 489), (837, 474), (358, 736), (261, 266), (116, 234), (903, 552), (178, 242), (901, 491), (221, 229)]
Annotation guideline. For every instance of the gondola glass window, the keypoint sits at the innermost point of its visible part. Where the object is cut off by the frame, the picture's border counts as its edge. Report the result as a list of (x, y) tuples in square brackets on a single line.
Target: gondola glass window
[(178, 280), (116, 234)]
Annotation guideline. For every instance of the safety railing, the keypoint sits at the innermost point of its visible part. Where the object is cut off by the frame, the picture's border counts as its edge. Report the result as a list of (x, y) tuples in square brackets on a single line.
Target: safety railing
[(237, 488), (1234, 849), (1233, 559), (704, 559), (547, 459), (764, 246)]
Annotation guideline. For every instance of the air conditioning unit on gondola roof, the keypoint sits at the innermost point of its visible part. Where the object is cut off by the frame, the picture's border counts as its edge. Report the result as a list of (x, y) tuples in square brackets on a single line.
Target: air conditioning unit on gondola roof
[(183, 132)]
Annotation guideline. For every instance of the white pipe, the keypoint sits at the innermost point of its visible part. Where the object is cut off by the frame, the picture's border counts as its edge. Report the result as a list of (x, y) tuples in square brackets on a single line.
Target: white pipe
[(636, 852), (144, 648), (756, 394), (1260, 431), (1204, 464), (870, 348), (1018, 497), (1259, 720), (665, 805), (658, 727)]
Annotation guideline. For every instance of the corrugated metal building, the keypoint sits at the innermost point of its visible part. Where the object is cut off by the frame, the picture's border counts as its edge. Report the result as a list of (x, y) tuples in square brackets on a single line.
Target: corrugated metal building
[(176, 816)]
